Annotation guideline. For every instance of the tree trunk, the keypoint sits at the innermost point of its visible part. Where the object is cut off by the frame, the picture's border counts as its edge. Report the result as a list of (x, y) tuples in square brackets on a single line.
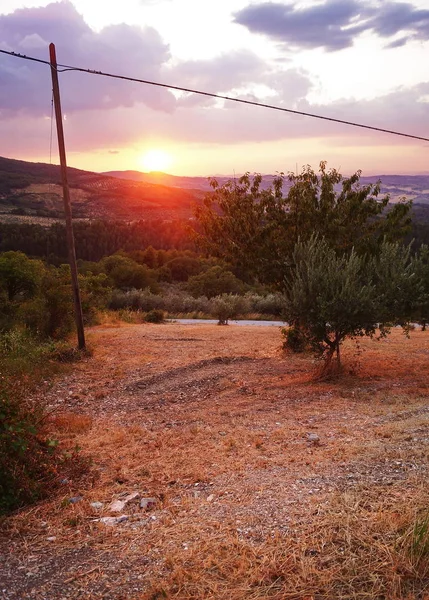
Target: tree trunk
[(337, 349)]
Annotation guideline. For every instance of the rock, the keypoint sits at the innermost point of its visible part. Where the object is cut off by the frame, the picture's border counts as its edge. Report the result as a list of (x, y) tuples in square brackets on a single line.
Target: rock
[(113, 520), (313, 438), (97, 505), (75, 499), (147, 503), (131, 497), (52, 538), (210, 498), (119, 505)]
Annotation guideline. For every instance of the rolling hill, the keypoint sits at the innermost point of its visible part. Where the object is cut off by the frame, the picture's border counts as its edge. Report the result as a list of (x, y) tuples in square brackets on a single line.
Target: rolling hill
[(413, 187), (33, 190)]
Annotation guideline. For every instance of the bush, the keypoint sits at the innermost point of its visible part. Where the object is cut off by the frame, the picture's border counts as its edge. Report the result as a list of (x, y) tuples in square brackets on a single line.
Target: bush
[(227, 306), (214, 282), (270, 304), (24, 456), (29, 458), (143, 300), (178, 302), (155, 316)]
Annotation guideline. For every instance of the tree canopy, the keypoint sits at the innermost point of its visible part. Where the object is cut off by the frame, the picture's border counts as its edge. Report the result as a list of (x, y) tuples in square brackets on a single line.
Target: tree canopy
[(256, 228), (329, 297)]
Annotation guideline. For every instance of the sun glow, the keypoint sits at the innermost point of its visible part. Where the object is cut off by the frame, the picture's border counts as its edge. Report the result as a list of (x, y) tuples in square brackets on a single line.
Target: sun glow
[(156, 160)]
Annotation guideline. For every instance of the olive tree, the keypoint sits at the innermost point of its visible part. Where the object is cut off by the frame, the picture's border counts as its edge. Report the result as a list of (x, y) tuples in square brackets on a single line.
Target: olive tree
[(329, 297)]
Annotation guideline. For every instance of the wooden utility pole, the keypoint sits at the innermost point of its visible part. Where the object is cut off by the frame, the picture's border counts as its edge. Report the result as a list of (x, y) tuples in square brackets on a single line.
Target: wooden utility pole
[(66, 196)]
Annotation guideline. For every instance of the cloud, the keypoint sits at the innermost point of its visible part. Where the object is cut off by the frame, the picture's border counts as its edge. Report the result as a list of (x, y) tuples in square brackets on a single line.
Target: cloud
[(221, 73), (124, 49), (108, 115), (404, 110), (335, 24), (25, 88)]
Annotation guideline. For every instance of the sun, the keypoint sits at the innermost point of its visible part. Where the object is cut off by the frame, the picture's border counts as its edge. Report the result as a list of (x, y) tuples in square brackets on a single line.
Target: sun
[(156, 160)]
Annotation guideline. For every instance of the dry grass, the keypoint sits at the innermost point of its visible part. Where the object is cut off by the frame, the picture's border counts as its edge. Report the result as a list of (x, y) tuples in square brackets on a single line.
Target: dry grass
[(247, 506)]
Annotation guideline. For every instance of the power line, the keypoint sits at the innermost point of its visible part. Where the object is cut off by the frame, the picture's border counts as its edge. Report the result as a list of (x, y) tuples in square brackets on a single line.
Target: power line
[(213, 95)]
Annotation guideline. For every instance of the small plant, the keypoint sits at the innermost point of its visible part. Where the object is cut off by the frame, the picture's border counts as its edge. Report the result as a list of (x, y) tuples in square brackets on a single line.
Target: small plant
[(24, 456), (155, 316), (419, 539)]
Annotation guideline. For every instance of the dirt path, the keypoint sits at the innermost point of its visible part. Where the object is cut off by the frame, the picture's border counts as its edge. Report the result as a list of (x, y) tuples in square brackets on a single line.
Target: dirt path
[(243, 455)]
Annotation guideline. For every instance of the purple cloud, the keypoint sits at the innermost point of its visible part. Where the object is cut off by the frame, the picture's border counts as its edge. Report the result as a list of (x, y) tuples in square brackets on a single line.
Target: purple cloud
[(335, 24), (25, 88), (124, 49)]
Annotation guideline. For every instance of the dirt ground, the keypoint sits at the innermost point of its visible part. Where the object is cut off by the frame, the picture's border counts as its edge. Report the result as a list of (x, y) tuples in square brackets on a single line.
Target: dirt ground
[(262, 483)]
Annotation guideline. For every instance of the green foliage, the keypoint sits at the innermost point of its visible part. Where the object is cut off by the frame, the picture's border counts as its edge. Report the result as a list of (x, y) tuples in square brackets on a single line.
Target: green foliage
[(214, 282), (295, 339), (143, 300), (30, 459), (155, 316), (97, 239), (330, 297), (40, 297), (19, 276), (125, 273), (95, 293), (420, 304), (395, 276), (227, 306), (50, 314), (420, 537), (183, 267), (271, 304), (22, 455), (257, 229)]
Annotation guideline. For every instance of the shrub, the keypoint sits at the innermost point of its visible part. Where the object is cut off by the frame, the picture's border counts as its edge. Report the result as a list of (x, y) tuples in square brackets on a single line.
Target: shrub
[(155, 316), (143, 300), (214, 282), (30, 459), (227, 306), (269, 304), (24, 456), (176, 302)]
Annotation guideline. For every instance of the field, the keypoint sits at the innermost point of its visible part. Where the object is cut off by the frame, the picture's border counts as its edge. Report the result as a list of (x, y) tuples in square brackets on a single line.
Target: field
[(256, 480)]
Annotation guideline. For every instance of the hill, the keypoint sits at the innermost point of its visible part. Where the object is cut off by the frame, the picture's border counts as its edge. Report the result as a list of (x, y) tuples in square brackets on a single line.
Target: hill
[(413, 187), (33, 190)]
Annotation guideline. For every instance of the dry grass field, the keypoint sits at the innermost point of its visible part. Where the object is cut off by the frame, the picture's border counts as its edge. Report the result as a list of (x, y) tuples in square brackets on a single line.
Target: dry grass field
[(263, 483)]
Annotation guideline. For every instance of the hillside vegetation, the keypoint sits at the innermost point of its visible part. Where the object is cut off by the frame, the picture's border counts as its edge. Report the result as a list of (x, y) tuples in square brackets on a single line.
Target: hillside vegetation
[(34, 190)]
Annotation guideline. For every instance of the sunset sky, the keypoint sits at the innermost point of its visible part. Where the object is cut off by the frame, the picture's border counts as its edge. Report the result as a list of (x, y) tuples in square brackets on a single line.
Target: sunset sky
[(357, 60)]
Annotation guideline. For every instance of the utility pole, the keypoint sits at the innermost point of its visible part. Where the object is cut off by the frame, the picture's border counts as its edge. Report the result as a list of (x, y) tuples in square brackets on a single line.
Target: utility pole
[(66, 197)]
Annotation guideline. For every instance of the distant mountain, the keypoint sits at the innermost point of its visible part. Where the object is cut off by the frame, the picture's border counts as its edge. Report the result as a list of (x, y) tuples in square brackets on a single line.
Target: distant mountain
[(413, 187), (34, 190), (157, 177)]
